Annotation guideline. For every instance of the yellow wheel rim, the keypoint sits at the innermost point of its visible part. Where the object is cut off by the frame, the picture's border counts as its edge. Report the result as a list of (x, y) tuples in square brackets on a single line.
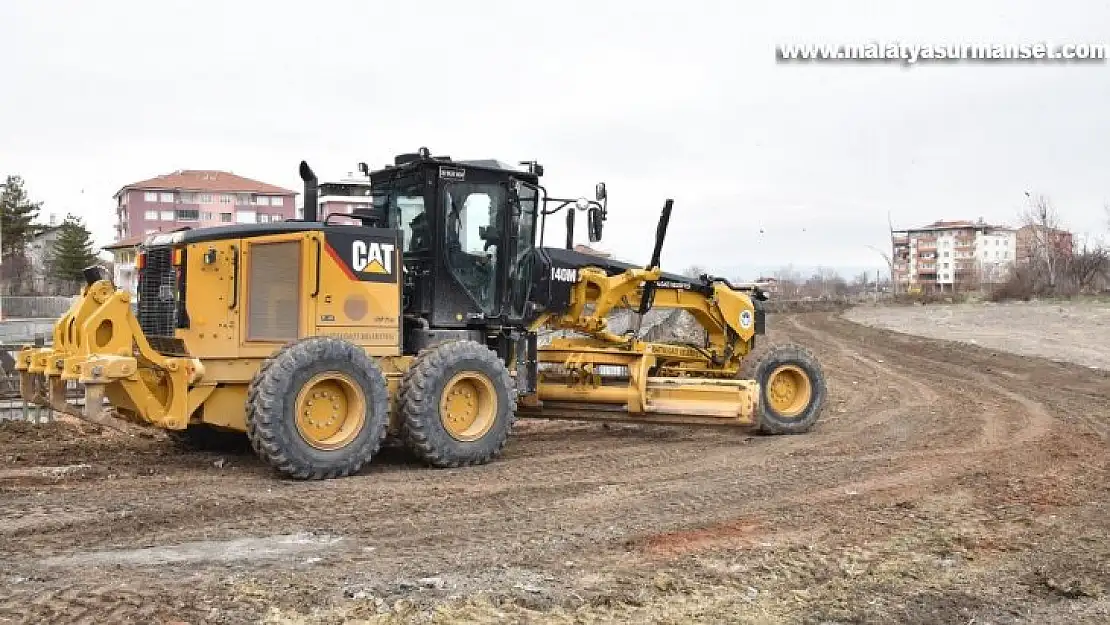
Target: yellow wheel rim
[(468, 406), (330, 410), (789, 390)]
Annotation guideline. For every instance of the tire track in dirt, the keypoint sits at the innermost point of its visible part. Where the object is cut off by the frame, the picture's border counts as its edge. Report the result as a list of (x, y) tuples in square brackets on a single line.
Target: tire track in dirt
[(1034, 419), (561, 492), (922, 384)]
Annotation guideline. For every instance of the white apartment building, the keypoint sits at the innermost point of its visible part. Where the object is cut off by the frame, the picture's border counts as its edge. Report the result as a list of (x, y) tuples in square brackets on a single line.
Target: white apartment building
[(945, 255)]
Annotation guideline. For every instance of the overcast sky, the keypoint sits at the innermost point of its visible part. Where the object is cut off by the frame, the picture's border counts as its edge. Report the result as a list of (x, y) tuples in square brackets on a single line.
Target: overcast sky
[(768, 163)]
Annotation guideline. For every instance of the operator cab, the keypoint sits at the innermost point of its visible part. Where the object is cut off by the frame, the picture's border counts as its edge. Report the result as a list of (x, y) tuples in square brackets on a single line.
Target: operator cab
[(469, 231)]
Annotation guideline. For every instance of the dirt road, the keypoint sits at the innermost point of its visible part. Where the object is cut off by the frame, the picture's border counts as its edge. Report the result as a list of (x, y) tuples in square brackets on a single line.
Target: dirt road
[(944, 484)]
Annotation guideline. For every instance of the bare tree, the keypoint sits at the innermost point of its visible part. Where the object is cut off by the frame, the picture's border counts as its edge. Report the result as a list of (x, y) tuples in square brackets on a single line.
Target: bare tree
[(789, 281), (694, 271), (1087, 267), (825, 282), (1041, 227)]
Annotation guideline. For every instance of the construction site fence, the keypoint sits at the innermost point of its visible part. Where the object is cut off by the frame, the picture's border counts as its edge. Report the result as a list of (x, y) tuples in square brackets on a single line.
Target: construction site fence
[(33, 306)]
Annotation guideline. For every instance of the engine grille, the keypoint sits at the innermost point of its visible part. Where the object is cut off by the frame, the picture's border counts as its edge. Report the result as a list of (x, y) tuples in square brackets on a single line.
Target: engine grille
[(273, 291), (158, 296)]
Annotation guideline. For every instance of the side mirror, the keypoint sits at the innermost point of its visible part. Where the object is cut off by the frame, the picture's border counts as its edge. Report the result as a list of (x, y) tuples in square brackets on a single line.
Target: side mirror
[(594, 220), (599, 192)]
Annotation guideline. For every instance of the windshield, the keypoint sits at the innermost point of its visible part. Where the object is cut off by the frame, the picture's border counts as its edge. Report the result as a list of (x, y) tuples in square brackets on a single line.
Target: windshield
[(404, 203)]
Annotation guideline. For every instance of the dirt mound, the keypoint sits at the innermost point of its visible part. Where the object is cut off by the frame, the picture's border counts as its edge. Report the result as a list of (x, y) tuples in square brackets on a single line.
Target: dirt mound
[(23, 432)]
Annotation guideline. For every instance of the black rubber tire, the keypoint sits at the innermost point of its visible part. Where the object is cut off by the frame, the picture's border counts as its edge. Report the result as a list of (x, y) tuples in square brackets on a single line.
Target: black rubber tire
[(271, 401), (201, 437), (758, 366), (422, 386)]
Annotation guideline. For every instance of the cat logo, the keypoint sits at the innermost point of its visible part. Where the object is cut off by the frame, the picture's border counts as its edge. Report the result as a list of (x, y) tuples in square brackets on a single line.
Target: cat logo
[(372, 257)]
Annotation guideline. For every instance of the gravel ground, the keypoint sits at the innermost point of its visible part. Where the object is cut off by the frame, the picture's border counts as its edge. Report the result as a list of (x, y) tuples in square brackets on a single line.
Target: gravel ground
[(1071, 332)]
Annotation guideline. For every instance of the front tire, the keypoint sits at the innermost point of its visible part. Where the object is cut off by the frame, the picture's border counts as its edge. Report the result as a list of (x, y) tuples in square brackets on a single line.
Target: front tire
[(318, 409), (792, 388), (457, 405)]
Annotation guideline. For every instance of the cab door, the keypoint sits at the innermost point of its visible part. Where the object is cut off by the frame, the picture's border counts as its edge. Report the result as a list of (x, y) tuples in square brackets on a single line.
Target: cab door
[(473, 244)]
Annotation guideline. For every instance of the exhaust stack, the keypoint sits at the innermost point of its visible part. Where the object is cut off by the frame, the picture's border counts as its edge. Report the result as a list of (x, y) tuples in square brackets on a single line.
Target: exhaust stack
[(310, 192)]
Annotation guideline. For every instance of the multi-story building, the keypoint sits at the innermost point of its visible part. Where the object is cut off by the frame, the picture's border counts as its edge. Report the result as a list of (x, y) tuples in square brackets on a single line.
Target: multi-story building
[(124, 273), (344, 195), (950, 255), (197, 199), (1040, 239)]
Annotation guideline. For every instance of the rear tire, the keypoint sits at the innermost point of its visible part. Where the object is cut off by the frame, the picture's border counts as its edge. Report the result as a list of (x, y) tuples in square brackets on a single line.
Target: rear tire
[(318, 409), (792, 388), (458, 404)]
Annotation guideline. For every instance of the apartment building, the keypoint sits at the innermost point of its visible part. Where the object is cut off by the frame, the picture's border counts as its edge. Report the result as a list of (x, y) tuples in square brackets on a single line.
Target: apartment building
[(125, 275), (344, 195), (197, 199), (950, 255), (1032, 238)]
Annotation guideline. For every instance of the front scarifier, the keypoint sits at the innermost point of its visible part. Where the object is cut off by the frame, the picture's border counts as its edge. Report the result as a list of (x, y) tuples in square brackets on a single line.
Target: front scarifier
[(98, 344)]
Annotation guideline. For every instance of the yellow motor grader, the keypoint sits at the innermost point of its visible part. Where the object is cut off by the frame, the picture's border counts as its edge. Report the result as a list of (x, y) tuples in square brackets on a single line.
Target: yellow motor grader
[(419, 318)]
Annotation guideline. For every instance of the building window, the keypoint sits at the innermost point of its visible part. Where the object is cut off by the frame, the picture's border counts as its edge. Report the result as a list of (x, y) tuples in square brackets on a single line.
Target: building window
[(150, 215), (277, 201), (946, 254), (188, 215), (945, 265), (263, 218), (167, 215), (245, 217), (204, 198), (207, 216), (225, 217), (167, 198), (261, 200), (225, 198), (243, 199), (150, 196)]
